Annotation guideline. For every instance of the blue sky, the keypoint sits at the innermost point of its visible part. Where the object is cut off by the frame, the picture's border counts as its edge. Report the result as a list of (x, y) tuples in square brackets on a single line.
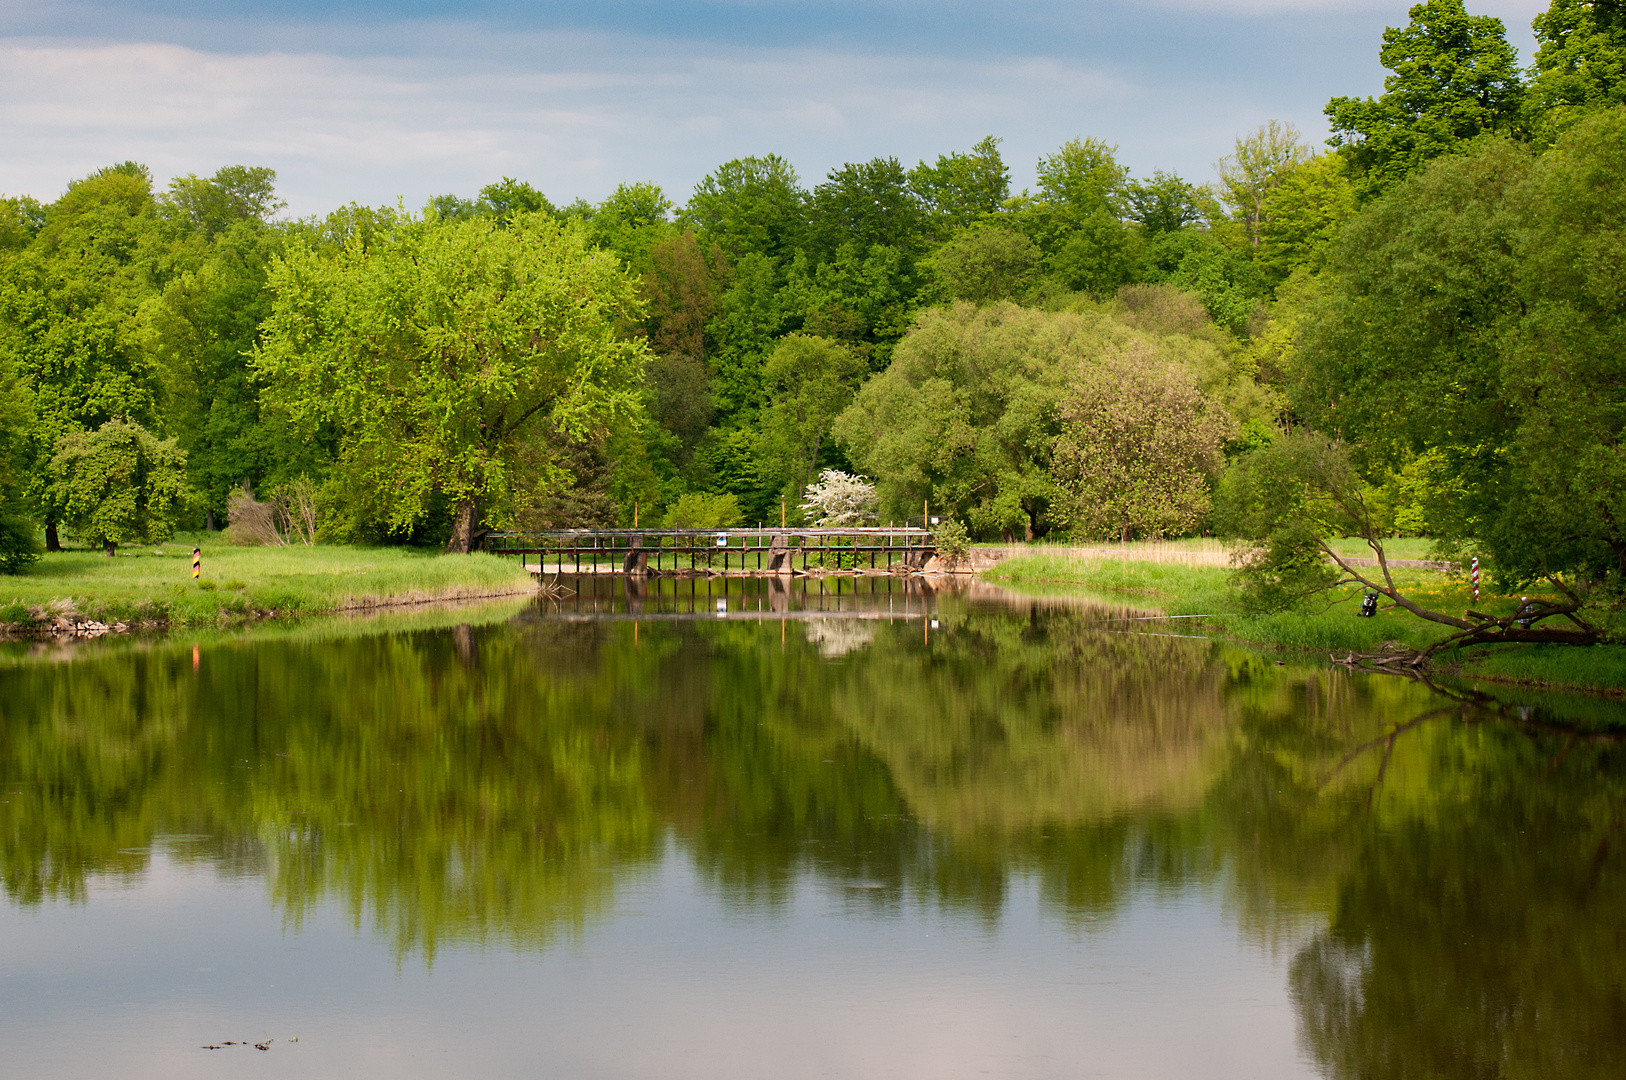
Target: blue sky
[(367, 101)]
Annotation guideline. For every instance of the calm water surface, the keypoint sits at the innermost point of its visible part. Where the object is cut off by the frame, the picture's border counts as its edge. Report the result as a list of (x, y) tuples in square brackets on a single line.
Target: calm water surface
[(767, 833)]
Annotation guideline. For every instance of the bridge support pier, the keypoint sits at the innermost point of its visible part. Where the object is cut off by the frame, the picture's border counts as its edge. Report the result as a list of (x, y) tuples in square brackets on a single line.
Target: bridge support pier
[(637, 560)]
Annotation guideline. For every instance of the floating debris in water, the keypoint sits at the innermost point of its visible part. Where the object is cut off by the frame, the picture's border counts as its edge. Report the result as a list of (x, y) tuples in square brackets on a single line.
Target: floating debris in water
[(266, 1045)]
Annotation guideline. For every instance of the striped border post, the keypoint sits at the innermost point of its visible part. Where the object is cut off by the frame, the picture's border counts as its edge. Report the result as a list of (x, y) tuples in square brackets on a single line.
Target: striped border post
[(1476, 578)]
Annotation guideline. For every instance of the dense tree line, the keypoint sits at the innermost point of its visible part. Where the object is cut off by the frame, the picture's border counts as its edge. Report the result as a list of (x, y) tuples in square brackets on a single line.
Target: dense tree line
[(1088, 357)]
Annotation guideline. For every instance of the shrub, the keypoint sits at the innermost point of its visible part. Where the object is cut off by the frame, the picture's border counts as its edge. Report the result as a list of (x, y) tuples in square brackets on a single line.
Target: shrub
[(19, 544), (249, 521), (840, 498), (699, 510), (1164, 309), (289, 516), (953, 542)]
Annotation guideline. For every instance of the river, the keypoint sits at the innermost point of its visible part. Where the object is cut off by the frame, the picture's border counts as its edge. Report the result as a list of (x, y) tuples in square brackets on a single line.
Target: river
[(846, 829)]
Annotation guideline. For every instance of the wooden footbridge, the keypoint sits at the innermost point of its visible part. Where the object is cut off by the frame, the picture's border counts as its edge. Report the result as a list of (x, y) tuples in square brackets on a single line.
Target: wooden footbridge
[(751, 552)]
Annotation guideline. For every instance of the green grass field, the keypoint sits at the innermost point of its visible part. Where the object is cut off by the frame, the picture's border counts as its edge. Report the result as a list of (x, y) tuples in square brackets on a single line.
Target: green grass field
[(155, 584), (1409, 547), (1322, 629)]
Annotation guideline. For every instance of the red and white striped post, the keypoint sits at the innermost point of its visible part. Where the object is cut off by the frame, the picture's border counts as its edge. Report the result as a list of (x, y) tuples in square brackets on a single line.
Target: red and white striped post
[(1475, 575)]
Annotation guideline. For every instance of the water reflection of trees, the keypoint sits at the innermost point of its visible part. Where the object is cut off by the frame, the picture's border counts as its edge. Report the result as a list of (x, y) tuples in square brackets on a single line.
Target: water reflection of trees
[(478, 781), (1477, 929), (1459, 874)]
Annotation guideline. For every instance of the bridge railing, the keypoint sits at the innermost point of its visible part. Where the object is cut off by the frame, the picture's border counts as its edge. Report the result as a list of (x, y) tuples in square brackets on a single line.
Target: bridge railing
[(588, 550)]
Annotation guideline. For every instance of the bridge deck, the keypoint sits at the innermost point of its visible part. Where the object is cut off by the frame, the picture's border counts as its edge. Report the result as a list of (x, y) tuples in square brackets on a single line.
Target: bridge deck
[(709, 551)]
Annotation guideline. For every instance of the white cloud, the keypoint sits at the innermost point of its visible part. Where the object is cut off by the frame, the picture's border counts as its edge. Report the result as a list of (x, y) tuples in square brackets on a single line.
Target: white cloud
[(573, 113)]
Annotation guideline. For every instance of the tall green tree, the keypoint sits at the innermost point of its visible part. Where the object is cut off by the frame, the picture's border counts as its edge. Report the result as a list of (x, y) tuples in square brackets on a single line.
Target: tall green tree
[(1251, 173), (1139, 448), (809, 380), (1077, 217), (21, 219), (1099, 257), (200, 329), (67, 316), (631, 221), (444, 351), (1166, 203), (1302, 215), (1564, 361), (985, 263), (752, 205), (965, 417), (19, 545), (1404, 356), (961, 189), (1470, 347), (1453, 78), (1580, 64), (509, 197), (682, 284), (865, 205), (234, 193), (763, 302), (1083, 178)]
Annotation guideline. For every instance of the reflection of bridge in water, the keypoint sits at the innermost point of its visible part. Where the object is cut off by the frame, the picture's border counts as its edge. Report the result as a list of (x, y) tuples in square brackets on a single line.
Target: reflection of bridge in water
[(778, 597), (719, 552)]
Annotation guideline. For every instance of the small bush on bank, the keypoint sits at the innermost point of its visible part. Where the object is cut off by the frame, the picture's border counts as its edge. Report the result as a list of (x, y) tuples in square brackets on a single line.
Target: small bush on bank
[(953, 542)]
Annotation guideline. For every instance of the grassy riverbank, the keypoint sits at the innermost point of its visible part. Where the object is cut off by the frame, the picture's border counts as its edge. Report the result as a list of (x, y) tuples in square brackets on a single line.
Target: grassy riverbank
[(154, 585), (1207, 591), (319, 629)]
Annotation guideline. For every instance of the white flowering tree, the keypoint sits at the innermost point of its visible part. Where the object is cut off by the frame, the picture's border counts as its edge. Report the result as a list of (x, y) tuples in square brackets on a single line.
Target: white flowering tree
[(839, 498)]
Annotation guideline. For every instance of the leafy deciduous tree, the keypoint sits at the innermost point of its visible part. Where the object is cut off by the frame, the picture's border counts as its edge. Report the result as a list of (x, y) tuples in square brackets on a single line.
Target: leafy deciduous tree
[(1404, 353), (119, 483), (21, 219), (1564, 361), (1303, 214), (445, 348), (1084, 178), (18, 543), (965, 416), (508, 198), (750, 206), (234, 193), (985, 263), (682, 284), (1580, 65), (865, 205), (1455, 77), (1139, 447), (198, 332), (66, 315), (1098, 257), (1166, 203), (1256, 168), (963, 188), (810, 380)]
